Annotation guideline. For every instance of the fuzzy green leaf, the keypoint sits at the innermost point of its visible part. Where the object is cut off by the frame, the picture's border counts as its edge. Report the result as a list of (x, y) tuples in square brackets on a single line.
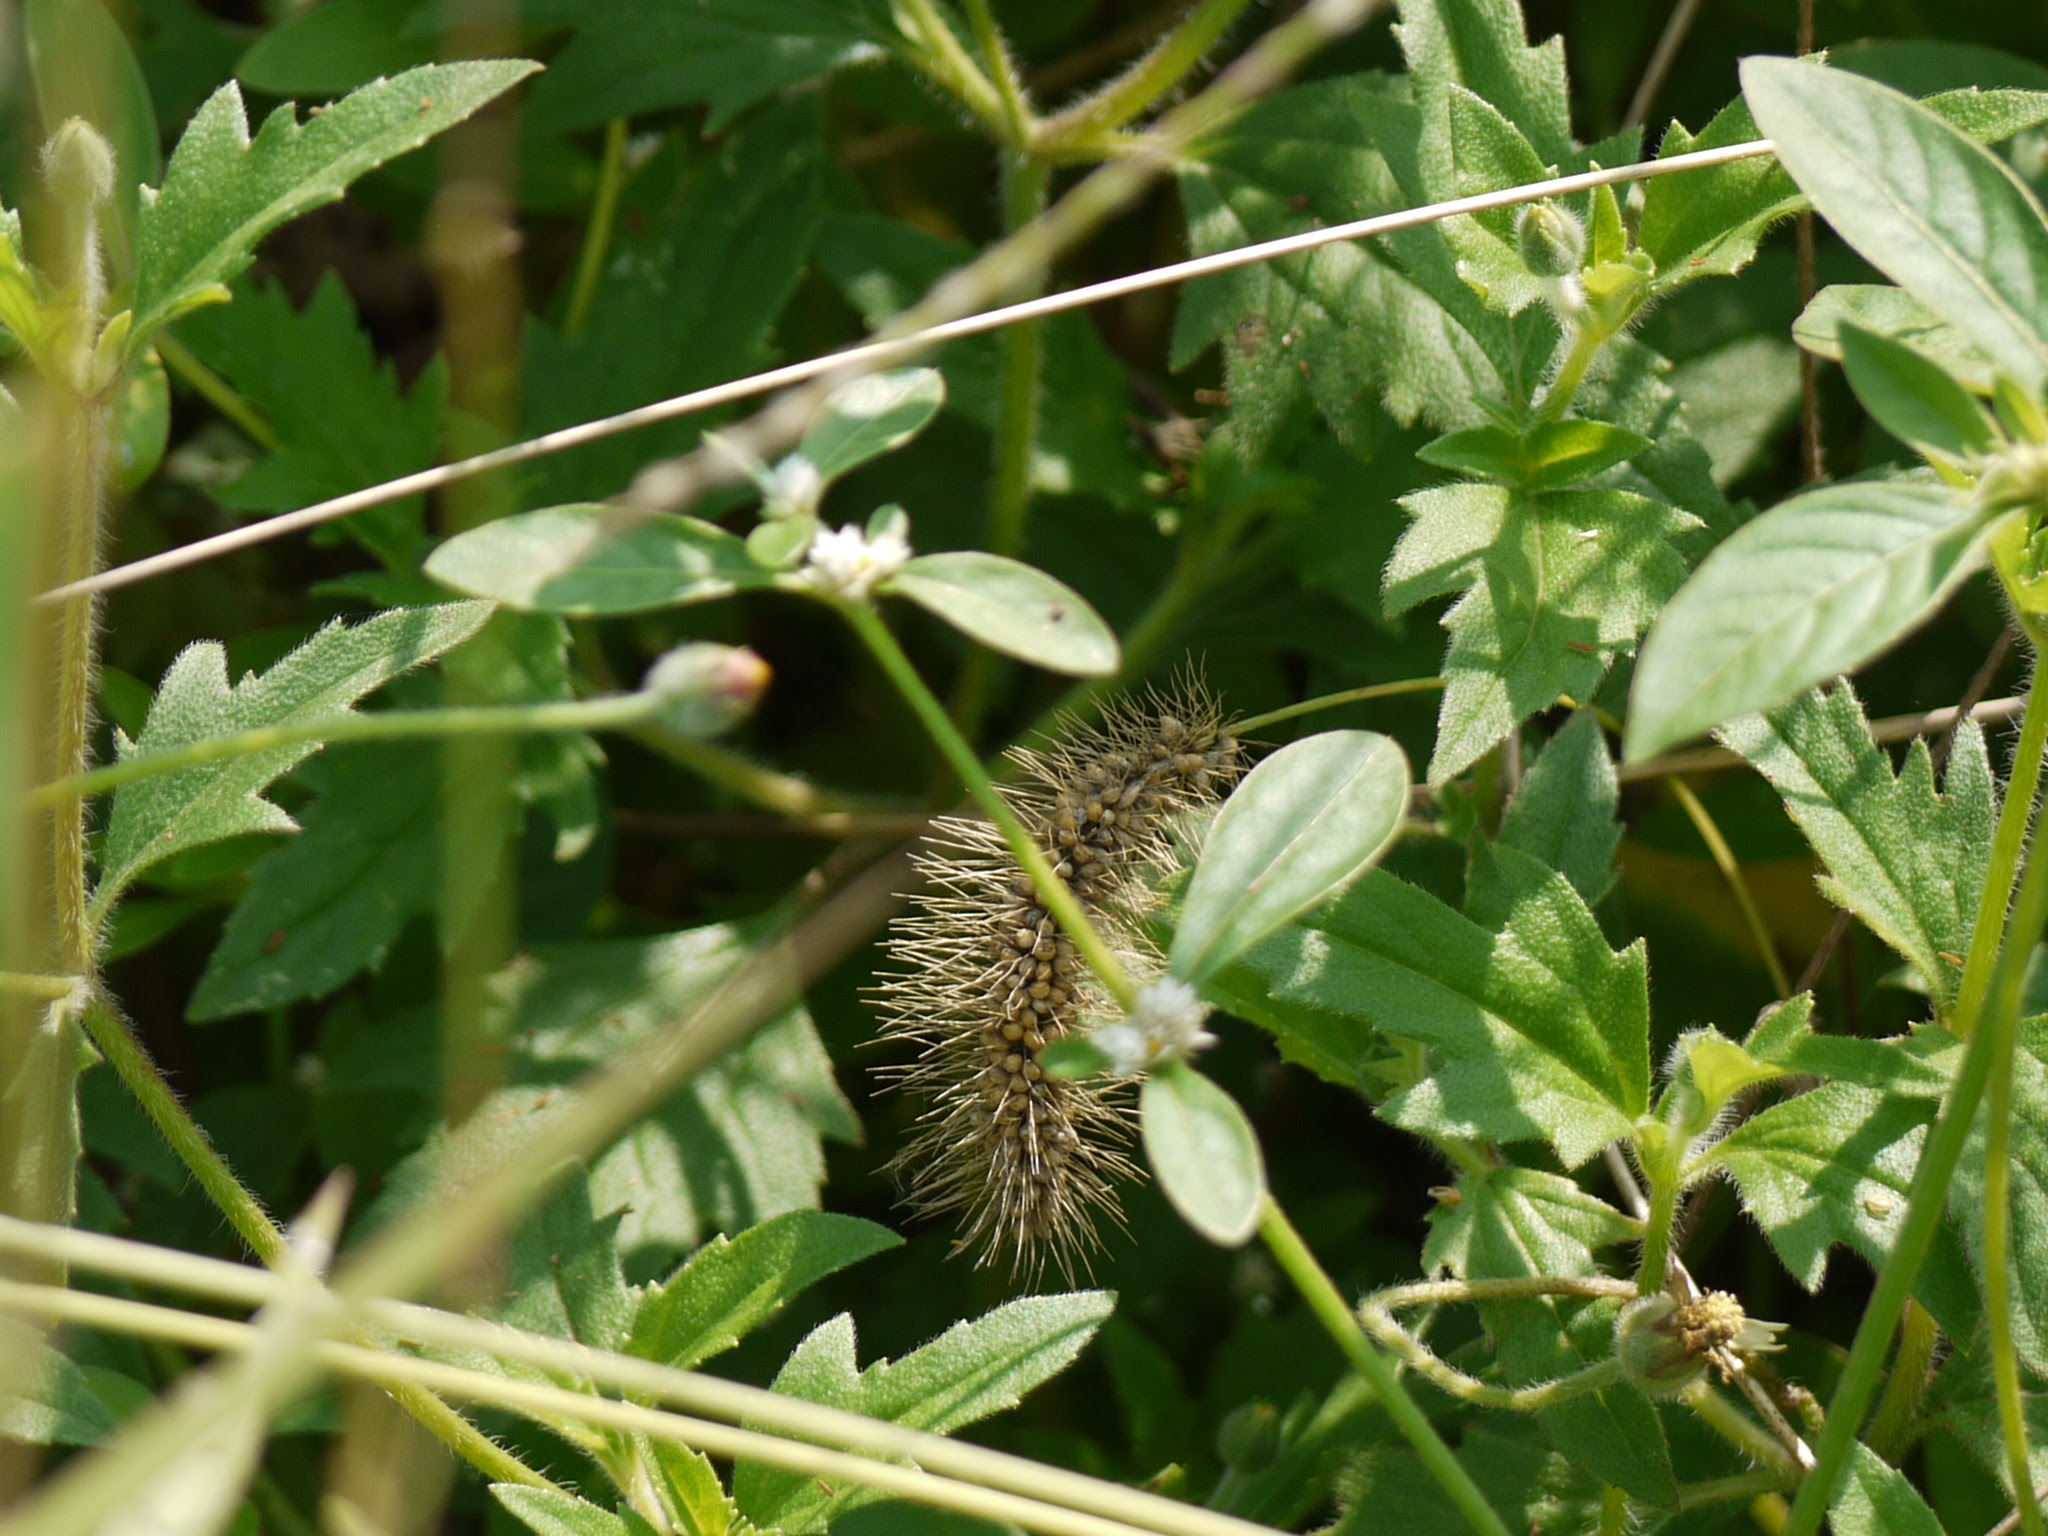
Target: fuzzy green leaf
[(870, 417), (730, 1287), (562, 1276), (1565, 813), (1874, 1499), (555, 1512), (1739, 396), (1011, 607), (1708, 223), (1482, 46), (1818, 585), (566, 560), (1304, 824), (1914, 399), (1946, 220), (1894, 313), (223, 192), (1536, 1028), (176, 812), (1555, 587), (49, 1399), (1551, 456), (1909, 862), (1385, 1490), (2027, 1256), (634, 57), (330, 903), (1204, 1153), (314, 375), (968, 1372)]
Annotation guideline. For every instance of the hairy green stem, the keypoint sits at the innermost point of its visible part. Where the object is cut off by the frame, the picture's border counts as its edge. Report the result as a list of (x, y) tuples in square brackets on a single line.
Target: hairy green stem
[(1481, 1394), (344, 730), (50, 989), (1586, 344), (950, 65), (995, 54), (2007, 843), (1731, 871), (597, 235), (1740, 1431), (1731, 1490), (2000, 1039), (1058, 897), (216, 391), (1438, 1293), (1927, 1198), (1892, 1426), (1656, 1265), (1339, 700), (1145, 82), (1323, 1298), (786, 794)]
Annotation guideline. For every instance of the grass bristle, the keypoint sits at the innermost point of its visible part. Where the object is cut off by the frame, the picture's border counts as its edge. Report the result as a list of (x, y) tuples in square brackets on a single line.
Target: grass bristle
[(985, 980)]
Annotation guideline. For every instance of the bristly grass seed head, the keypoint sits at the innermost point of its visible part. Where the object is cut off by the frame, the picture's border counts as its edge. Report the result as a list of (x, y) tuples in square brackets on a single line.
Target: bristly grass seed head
[(985, 980)]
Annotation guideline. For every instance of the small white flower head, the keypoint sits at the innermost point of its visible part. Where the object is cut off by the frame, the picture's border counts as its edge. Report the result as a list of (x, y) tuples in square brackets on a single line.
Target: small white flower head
[(793, 488), (853, 561), (1165, 1026)]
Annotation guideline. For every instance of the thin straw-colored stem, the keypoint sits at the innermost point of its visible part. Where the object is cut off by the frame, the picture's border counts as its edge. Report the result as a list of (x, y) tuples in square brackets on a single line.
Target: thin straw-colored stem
[(1337, 701), (882, 353), (1731, 871), (1662, 57), (1890, 729)]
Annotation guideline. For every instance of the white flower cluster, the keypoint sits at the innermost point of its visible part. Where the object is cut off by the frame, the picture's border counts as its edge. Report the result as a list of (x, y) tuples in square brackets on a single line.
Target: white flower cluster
[(1165, 1026), (850, 564)]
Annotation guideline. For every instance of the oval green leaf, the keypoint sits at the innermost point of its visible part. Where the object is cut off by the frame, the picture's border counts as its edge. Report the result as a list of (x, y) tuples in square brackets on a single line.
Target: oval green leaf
[(567, 560), (1894, 313), (1943, 218), (870, 417), (1304, 824), (1204, 1154), (1013, 608), (1816, 586), (1912, 398)]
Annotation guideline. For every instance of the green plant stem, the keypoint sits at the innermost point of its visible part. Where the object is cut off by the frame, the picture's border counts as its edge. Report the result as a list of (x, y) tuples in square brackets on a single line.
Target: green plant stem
[(1656, 1265), (1892, 1426), (951, 65), (1438, 1293), (1338, 700), (1731, 871), (597, 235), (1321, 1294), (2001, 1038), (1059, 899), (2007, 843), (1586, 345), (1927, 1198), (1145, 82), (1732, 1425), (1530, 1399), (786, 794), (216, 391), (342, 730), (996, 55), (1731, 1490)]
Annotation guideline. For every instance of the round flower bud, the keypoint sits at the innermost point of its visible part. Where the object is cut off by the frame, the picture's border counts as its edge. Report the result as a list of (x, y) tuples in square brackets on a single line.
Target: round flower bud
[(78, 164), (1551, 241), (704, 690), (1248, 1439)]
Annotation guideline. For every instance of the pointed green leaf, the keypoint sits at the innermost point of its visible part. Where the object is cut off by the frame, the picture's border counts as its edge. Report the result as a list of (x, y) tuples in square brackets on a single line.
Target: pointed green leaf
[(1894, 313), (732, 1286), (1565, 813), (968, 1372), (556, 1512), (1204, 1154), (562, 1276), (174, 812), (1818, 585), (1907, 861), (1303, 825), (1011, 607), (1913, 399), (870, 417), (567, 560), (223, 192), (1552, 456), (325, 50), (1874, 1499), (1944, 219)]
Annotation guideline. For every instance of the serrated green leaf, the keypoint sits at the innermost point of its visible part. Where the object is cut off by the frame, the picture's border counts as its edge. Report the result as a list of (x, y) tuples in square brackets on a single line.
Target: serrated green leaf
[(731, 1287), (883, 266), (1909, 862), (739, 1144), (1204, 1153), (1708, 223), (1874, 1499), (1739, 397), (968, 1372), (81, 66), (1011, 607), (223, 192), (562, 1276), (690, 303), (556, 1512), (1536, 1028), (1946, 220), (630, 59), (870, 417), (1551, 456), (1816, 586), (689, 1490), (1565, 815), (1913, 399), (1895, 313), (1556, 586), (173, 812), (330, 902), (324, 50), (566, 560), (1386, 1490), (1482, 46), (2027, 1152), (314, 375), (1301, 826)]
